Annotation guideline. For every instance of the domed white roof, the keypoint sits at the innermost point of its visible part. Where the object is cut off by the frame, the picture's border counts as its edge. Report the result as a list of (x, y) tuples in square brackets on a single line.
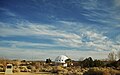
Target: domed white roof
[(61, 59)]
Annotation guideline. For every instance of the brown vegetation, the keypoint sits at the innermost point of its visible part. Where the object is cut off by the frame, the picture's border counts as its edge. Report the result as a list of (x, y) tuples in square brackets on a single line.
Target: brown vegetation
[(85, 67)]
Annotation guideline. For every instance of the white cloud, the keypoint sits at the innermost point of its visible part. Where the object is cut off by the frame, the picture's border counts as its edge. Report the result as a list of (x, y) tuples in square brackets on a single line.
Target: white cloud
[(93, 38), (30, 29), (90, 4), (118, 39), (101, 42), (74, 35), (8, 12), (117, 3), (67, 23), (17, 44), (70, 42), (29, 54), (103, 14)]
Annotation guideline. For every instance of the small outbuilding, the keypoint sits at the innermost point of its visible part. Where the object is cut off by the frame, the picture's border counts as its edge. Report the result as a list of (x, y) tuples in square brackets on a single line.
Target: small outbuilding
[(9, 69)]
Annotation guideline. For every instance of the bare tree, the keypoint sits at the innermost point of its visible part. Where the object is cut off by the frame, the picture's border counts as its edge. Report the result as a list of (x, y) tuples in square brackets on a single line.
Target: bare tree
[(112, 56), (118, 54)]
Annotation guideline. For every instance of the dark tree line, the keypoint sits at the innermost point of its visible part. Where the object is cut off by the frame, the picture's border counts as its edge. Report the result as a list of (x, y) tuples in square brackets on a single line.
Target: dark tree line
[(89, 62), (114, 64)]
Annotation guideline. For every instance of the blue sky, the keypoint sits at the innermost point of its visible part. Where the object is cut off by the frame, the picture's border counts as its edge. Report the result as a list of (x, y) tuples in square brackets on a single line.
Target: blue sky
[(40, 29)]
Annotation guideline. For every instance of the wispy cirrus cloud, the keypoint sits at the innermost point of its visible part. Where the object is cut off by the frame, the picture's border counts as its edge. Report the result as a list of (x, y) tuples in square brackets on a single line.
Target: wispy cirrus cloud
[(59, 27), (25, 45), (84, 37), (89, 38), (117, 3), (29, 29), (44, 54), (109, 16), (7, 12)]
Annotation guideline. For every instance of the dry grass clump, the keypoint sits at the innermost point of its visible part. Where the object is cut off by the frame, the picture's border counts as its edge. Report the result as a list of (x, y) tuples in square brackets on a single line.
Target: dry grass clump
[(47, 69), (60, 70), (102, 71), (67, 70)]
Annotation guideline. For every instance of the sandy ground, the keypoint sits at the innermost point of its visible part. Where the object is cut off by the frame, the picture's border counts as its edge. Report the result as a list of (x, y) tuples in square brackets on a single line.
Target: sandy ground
[(27, 73)]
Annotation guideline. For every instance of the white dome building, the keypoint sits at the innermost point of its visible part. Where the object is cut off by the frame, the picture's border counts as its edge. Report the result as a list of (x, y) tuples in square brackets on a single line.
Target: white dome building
[(61, 59)]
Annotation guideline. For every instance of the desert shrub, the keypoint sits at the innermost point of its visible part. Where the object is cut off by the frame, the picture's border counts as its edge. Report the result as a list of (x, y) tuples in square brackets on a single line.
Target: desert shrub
[(105, 71), (114, 64), (114, 72), (59, 70), (88, 62), (49, 69), (98, 63), (102, 71), (48, 60), (93, 71)]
